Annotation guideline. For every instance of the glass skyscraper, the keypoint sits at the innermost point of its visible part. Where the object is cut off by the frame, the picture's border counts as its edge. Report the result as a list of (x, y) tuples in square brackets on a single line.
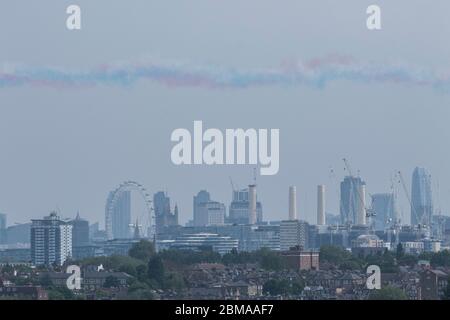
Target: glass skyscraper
[(163, 214), (421, 197), (352, 207), (121, 215), (202, 196)]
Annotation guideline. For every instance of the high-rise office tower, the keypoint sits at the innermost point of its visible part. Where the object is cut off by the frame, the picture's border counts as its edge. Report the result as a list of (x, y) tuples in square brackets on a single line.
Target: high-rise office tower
[(80, 232), (120, 203), (292, 203), (293, 233), (239, 208), (421, 198), (3, 228), (51, 241), (352, 208), (361, 212), (202, 196), (163, 214), (384, 207), (210, 213), (18, 234), (320, 205)]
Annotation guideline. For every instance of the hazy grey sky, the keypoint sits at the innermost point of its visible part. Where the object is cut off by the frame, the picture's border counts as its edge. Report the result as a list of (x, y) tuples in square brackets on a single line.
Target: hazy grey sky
[(67, 148)]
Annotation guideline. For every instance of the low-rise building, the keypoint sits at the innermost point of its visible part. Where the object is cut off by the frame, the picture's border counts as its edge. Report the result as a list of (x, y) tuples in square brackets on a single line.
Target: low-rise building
[(14, 292), (90, 280), (433, 283), (300, 259)]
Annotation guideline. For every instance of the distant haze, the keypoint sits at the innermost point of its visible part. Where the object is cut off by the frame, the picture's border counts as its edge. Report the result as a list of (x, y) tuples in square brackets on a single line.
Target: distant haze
[(65, 147)]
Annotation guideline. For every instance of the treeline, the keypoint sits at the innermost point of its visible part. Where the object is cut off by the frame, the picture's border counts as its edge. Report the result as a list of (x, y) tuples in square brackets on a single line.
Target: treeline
[(389, 261), (152, 271)]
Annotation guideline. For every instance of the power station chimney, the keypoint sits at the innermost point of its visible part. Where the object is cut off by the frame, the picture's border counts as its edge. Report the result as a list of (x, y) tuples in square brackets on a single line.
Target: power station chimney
[(320, 205), (361, 216), (292, 203), (252, 204)]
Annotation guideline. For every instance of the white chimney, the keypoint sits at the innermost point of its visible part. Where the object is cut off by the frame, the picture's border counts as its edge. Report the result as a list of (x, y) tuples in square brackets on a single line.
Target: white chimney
[(252, 204), (321, 205), (292, 203)]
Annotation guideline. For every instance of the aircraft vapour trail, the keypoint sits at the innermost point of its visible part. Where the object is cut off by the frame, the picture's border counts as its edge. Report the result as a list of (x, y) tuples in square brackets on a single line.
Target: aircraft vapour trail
[(313, 73)]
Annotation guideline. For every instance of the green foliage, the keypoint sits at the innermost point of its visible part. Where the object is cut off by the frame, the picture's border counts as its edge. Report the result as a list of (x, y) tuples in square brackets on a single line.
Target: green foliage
[(141, 294), (388, 293), (60, 293), (425, 256), (446, 295), (351, 264), (400, 252), (334, 255), (111, 282), (45, 280), (276, 287), (142, 250), (174, 280), (141, 272), (270, 260), (114, 262), (338, 256), (408, 260), (8, 269), (266, 258), (179, 258), (440, 259), (386, 261), (156, 269), (235, 257)]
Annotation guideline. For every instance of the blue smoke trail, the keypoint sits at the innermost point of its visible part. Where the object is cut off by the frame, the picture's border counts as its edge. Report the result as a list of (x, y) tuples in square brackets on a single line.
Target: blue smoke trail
[(317, 73)]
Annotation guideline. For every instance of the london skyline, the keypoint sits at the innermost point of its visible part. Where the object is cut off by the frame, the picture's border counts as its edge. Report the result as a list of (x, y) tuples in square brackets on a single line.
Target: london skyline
[(66, 148)]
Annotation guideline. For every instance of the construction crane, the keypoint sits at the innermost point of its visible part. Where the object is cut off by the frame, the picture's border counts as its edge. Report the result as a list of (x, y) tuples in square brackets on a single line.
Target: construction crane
[(334, 182), (347, 166), (369, 211), (232, 184), (440, 219)]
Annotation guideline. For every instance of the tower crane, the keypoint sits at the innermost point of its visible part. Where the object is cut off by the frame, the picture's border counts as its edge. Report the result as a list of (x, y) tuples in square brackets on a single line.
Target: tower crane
[(369, 211), (232, 184)]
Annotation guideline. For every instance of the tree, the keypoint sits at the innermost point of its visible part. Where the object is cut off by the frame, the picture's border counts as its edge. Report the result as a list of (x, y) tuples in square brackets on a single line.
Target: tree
[(156, 269), (333, 254), (270, 260), (174, 280), (446, 295), (61, 293), (45, 280), (408, 260), (142, 250), (350, 265), (388, 293), (400, 252), (142, 272), (9, 269), (296, 286), (385, 261), (441, 259), (272, 287), (111, 282)]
